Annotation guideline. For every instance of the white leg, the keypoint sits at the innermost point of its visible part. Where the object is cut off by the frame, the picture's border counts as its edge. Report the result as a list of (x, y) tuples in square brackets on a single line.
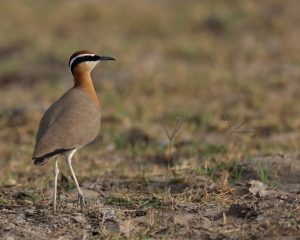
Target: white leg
[(56, 172), (80, 194)]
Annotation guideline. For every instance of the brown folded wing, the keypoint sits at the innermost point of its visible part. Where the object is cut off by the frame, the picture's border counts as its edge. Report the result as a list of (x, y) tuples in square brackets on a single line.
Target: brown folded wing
[(71, 122)]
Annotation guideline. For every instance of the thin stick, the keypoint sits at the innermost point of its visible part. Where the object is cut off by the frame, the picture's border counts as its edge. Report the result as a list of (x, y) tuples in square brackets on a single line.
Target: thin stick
[(170, 136)]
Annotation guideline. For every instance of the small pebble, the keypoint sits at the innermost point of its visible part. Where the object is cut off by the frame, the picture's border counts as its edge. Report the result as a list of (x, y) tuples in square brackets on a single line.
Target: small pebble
[(79, 219), (20, 219), (110, 215), (29, 211)]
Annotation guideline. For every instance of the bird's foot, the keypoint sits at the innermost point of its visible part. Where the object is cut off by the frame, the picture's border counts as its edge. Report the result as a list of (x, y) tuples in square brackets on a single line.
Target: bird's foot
[(81, 201)]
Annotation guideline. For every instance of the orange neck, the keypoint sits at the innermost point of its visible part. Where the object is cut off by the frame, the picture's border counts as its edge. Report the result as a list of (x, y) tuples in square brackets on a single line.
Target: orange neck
[(84, 81)]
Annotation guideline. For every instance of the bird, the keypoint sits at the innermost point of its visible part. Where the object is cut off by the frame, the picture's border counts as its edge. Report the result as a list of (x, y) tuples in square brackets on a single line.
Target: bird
[(72, 121)]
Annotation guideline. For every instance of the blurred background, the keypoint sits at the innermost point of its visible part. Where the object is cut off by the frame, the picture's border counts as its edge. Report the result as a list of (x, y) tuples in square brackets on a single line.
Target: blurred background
[(221, 66)]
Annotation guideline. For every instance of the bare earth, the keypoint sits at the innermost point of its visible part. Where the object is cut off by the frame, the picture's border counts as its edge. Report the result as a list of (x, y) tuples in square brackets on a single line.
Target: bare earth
[(193, 207)]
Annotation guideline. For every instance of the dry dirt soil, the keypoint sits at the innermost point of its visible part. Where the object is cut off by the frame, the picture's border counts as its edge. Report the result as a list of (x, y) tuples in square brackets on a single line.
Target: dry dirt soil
[(193, 207)]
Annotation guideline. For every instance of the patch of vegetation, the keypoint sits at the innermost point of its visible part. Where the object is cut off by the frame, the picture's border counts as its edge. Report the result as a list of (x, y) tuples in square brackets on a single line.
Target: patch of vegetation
[(214, 169), (263, 174), (132, 203)]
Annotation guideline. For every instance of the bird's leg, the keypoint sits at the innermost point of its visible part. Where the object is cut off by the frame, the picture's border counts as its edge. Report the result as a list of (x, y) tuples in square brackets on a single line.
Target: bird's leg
[(56, 172), (80, 194)]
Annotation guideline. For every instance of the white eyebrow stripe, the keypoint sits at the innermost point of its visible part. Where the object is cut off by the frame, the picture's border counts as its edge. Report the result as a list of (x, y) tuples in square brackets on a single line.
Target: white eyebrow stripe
[(81, 55)]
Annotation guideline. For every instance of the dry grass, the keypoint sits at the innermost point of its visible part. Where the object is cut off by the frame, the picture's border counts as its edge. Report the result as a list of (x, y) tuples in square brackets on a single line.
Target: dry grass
[(229, 69)]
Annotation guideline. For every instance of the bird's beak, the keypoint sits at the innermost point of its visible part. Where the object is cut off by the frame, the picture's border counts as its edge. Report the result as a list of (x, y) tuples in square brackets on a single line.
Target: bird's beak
[(105, 58)]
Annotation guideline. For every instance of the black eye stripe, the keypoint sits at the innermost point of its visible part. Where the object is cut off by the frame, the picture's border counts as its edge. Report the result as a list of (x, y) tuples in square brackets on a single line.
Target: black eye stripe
[(82, 59)]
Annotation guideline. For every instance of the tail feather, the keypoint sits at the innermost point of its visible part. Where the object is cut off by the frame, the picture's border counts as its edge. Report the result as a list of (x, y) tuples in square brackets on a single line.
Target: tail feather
[(41, 160)]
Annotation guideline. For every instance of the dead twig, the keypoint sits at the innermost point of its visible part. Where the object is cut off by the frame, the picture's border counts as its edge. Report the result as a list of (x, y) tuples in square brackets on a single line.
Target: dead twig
[(170, 136)]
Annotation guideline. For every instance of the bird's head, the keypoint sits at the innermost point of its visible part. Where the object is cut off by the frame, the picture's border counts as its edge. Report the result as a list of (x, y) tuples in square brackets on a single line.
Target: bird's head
[(85, 61)]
